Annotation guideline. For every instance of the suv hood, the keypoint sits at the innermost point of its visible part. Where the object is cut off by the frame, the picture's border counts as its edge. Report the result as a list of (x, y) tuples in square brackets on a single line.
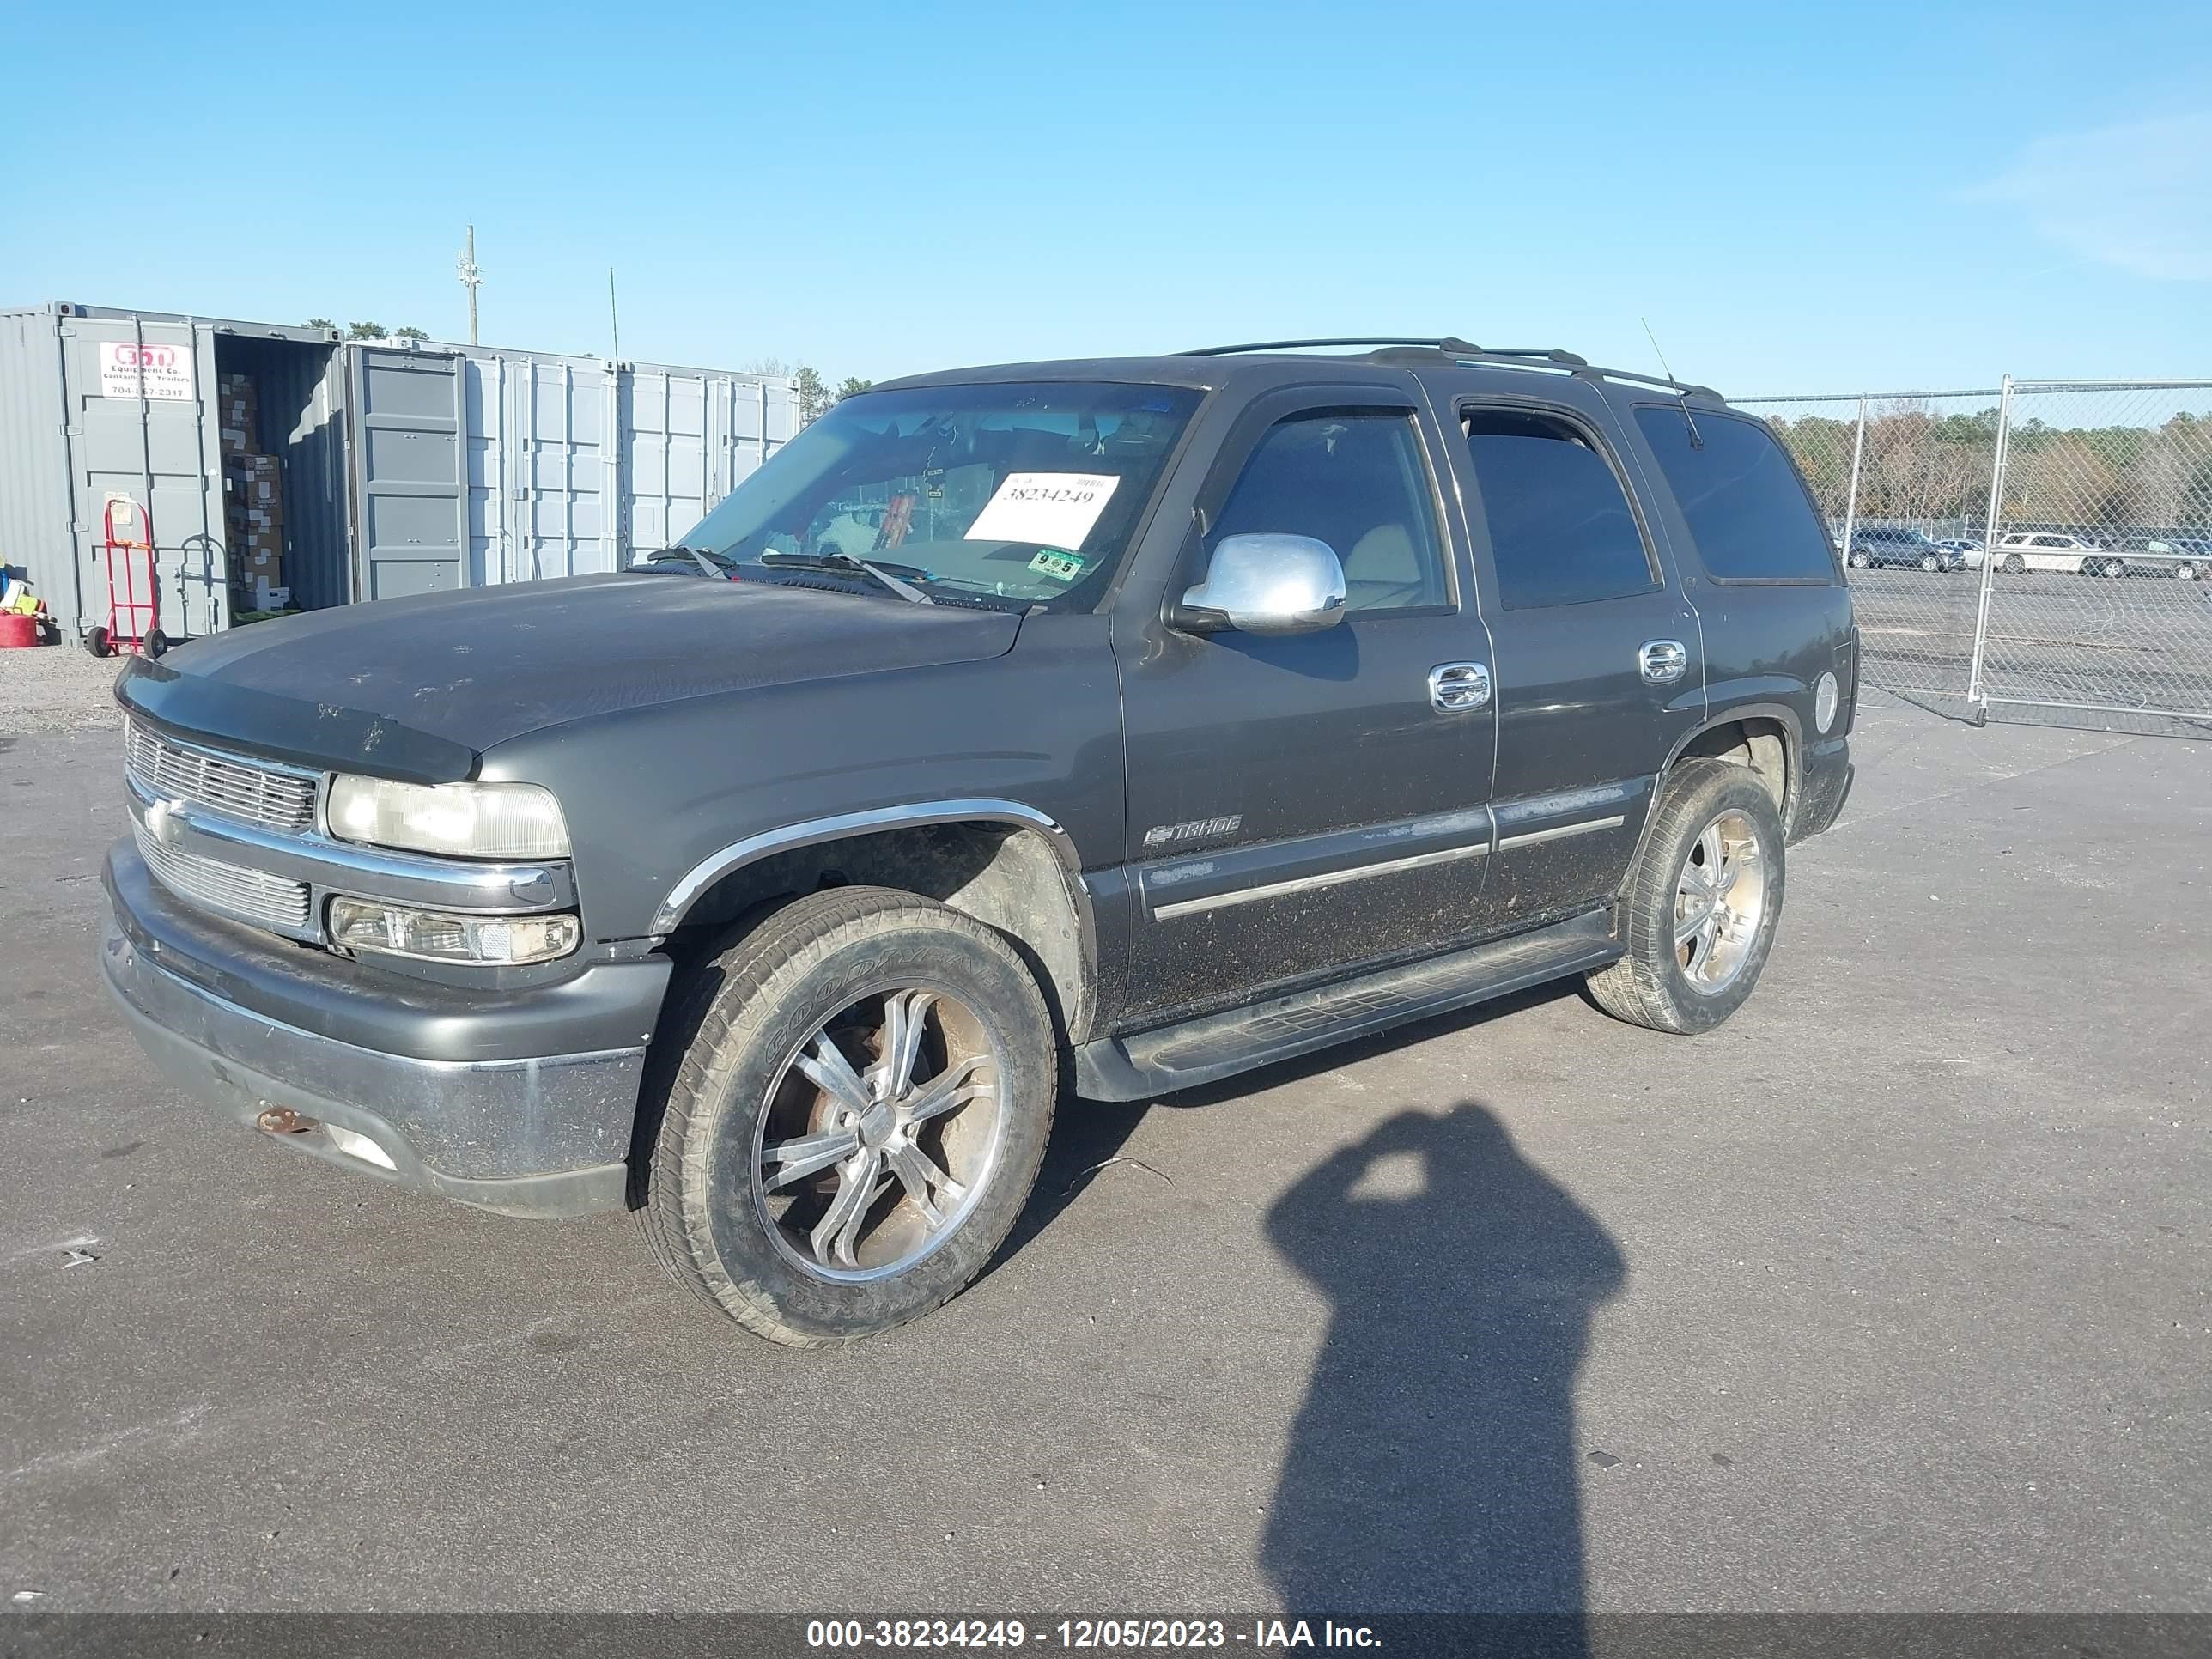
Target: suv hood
[(417, 686)]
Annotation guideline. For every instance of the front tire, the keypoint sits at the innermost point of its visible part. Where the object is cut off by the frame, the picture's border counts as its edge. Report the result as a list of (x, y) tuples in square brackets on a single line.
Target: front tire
[(1930, 564), (1862, 561), (1701, 904), (2014, 565), (864, 1088)]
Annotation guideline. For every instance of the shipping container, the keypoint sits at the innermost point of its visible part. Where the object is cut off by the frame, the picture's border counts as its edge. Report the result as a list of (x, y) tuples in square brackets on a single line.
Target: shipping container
[(394, 468)]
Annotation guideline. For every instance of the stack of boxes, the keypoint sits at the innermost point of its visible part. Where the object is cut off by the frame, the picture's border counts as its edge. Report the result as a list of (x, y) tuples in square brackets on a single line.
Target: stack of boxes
[(253, 501)]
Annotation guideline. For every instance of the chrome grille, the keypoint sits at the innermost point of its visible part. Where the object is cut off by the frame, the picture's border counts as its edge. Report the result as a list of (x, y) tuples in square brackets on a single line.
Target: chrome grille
[(252, 895), (236, 788)]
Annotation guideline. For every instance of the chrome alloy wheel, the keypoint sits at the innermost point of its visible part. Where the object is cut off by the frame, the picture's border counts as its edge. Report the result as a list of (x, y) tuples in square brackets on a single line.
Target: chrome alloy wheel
[(1720, 899), (879, 1134)]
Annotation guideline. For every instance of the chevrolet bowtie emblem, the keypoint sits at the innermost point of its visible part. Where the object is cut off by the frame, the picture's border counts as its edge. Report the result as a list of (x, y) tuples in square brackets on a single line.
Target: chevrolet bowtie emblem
[(162, 822)]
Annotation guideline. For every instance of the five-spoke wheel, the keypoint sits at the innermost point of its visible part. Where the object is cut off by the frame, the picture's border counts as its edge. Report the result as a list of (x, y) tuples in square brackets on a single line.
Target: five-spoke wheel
[(856, 1096), (880, 1134), (1719, 898), (1699, 915)]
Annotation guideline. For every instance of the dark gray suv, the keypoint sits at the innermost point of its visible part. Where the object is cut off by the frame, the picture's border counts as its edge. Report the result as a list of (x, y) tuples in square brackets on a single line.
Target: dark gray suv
[(1091, 728)]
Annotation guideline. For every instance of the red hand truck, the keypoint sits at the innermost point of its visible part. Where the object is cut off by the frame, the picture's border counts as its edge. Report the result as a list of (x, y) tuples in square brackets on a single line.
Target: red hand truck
[(133, 598)]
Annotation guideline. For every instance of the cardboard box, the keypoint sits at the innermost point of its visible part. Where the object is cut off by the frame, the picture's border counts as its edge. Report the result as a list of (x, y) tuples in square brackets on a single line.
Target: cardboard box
[(254, 481), (239, 409)]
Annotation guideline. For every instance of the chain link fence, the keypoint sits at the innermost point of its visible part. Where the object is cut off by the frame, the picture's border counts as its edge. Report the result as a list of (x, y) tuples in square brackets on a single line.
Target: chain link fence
[(2037, 550)]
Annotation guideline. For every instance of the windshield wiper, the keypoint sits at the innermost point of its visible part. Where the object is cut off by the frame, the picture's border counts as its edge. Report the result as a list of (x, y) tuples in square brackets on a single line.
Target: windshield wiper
[(652, 562), (843, 561)]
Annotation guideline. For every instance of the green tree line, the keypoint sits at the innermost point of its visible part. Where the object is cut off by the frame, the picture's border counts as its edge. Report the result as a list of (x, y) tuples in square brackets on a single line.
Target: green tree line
[(1919, 465)]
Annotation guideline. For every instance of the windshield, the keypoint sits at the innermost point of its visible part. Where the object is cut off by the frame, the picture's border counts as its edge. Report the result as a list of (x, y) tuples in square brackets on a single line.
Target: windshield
[(1026, 492)]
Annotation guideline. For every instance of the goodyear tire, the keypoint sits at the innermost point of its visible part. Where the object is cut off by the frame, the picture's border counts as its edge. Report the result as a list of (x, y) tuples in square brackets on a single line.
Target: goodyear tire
[(1701, 906), (857, 1096)]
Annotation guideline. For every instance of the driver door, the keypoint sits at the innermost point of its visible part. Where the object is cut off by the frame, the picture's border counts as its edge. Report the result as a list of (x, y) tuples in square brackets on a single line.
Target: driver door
[(1297, 804)]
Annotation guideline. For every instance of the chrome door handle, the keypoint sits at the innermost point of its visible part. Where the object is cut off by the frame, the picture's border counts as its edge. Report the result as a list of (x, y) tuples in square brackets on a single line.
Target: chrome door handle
[(1663, 661), (1459, 687)]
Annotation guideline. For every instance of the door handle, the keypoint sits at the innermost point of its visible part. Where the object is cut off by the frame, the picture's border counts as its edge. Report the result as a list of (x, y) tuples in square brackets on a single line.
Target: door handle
[(1663, 661), (1458, 688)]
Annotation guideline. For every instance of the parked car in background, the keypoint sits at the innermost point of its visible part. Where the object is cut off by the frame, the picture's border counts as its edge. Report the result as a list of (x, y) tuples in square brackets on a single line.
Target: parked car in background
[(1967, 549), (1885, 544), (2019, 551), (2184, 557)]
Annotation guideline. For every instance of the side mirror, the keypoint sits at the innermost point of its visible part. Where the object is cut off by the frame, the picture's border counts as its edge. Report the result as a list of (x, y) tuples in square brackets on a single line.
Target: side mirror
[(1266, 584)]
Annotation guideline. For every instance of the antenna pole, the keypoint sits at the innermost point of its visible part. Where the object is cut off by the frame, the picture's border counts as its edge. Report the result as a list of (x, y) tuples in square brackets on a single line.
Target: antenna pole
[(472, 275), (614, 317)]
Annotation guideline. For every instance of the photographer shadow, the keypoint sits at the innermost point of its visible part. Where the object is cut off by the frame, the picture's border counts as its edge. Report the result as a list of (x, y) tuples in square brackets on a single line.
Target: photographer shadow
[(1432, 1468)]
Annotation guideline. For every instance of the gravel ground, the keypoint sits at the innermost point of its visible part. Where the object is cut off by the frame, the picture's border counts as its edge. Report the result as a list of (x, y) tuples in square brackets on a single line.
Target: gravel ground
[(1891, 1294), (54, 688)]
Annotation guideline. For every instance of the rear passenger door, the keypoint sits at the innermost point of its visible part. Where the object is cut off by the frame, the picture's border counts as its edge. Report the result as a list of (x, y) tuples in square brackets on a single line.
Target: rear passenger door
[(1598, 660)]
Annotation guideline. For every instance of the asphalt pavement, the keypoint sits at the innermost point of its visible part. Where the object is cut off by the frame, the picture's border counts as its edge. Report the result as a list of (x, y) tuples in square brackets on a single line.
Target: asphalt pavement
[(1890, 1294)]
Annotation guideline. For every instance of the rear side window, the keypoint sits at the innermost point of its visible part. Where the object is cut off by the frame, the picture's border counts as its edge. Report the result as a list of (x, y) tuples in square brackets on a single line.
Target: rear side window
[(1747, 512), (1561, 531)]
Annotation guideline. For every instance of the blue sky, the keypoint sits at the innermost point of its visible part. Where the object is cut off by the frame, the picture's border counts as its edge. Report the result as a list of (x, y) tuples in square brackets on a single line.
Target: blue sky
[(1799, 197)]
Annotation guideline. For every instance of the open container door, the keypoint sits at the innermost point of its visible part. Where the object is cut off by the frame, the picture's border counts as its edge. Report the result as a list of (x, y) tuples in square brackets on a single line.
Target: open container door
[(410, 483), (141, 395)]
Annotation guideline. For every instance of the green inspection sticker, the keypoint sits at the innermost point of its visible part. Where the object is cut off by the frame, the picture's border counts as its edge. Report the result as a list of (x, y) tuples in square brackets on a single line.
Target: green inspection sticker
[(1060, 567)]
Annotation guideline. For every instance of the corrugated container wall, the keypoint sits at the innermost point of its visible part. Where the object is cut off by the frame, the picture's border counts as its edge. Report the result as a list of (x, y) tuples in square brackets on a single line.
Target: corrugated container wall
[(402, 468), (35, 497), (576, 467)]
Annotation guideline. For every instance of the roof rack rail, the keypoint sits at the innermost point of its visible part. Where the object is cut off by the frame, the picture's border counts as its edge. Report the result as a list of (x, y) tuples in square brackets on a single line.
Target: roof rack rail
[(1448, 344)]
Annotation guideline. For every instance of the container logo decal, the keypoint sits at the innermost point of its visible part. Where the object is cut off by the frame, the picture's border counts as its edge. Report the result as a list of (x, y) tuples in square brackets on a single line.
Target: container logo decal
[(130, 369)]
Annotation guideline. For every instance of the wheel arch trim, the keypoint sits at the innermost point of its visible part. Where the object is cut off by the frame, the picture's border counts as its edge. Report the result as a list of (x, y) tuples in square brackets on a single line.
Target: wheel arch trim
[(844, 826), (1793, 745)]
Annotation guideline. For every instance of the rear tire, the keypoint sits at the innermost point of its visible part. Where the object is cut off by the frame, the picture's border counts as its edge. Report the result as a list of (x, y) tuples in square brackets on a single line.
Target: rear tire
[(1862, 561), (1930, 564), (2014, 565), (751, 1051), (1686, 967), (2184, 572)]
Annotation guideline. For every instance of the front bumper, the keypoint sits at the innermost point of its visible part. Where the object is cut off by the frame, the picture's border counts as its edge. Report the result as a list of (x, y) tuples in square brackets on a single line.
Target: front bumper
[(453, 1088)]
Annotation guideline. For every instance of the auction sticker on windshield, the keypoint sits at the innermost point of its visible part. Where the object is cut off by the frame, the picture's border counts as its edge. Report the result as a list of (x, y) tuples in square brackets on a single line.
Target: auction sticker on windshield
[(1054, 509)]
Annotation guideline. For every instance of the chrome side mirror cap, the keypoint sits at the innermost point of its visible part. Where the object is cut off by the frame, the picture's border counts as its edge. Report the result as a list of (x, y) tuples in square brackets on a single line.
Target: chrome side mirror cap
[(1267, 584)]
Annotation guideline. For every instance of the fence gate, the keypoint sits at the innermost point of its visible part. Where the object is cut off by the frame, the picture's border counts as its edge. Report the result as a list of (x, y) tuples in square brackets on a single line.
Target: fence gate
[(2038, 550)]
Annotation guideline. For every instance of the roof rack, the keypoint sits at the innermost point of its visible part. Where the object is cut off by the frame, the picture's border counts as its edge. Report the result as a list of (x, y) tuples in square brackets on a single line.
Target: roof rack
[(1449, 343), (1453, 349)]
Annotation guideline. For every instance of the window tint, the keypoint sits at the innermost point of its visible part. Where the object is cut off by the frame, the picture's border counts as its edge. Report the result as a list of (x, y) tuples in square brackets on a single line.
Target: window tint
[(1356, 482), (1560, 530), (1748, 514)]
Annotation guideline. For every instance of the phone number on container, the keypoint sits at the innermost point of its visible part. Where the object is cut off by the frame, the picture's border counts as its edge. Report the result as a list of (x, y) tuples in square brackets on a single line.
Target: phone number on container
[(1072, 1633)]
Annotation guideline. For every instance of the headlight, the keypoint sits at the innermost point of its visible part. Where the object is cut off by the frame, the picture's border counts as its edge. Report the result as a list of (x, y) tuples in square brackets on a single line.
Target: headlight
[(434, 936), (474, 820)]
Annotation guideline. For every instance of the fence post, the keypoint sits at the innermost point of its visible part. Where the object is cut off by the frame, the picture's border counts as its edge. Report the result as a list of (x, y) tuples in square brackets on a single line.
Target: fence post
[(1851, 495), (1977, 692)]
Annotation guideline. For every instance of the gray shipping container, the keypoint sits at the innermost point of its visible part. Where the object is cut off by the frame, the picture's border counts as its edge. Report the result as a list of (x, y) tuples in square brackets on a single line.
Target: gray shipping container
[(405, 468)]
